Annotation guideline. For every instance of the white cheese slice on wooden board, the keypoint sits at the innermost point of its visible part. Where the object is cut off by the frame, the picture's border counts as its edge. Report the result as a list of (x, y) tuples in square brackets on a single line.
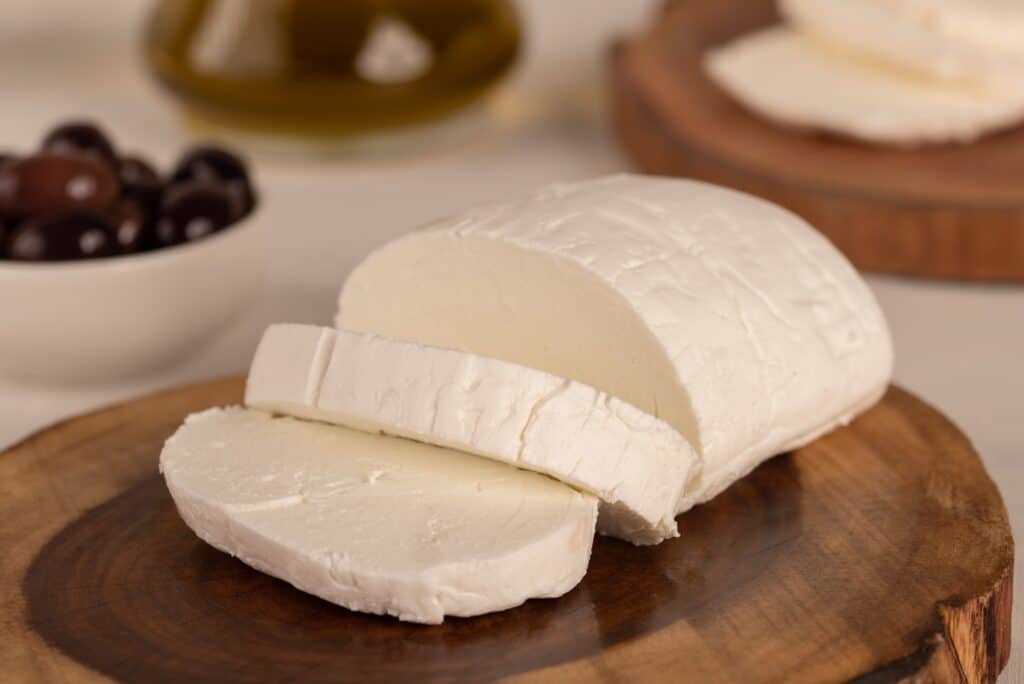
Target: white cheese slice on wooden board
[(634, 463), (376, 524), (725, 315), (976, 41), (794, 80)]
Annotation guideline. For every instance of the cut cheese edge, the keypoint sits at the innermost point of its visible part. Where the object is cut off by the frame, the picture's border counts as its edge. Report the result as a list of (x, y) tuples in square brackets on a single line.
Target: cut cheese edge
[(376, 524), (789, 78), (728, 317), (971, 41), (288, 368), (634, 463)]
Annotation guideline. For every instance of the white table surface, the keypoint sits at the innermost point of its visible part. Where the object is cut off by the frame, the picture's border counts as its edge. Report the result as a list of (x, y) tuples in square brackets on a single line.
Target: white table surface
[(958, 346)]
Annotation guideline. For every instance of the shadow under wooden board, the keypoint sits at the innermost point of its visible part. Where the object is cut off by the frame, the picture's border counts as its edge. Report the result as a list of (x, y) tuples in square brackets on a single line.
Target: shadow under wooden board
[(882, 551), (953, 211)]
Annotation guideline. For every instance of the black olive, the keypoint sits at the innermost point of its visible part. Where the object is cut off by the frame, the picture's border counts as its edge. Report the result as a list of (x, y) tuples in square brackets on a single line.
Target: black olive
[(53, 182), (135, 172), (62, 237), (191, 211), (77, 198), (79, 137), (215, 165), (140, 183)]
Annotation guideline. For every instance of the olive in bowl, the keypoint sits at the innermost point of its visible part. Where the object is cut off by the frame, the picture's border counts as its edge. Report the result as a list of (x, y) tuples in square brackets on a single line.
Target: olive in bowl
[(90, 292)]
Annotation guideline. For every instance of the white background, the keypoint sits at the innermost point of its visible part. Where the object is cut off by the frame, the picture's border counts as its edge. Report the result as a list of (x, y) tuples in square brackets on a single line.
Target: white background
[(958, 346)]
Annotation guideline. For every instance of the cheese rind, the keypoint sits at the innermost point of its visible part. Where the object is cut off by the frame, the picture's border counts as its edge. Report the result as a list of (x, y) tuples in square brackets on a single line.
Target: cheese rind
[(636, 464), (970, 41), (794, 80), (728, 317), (376, 524)]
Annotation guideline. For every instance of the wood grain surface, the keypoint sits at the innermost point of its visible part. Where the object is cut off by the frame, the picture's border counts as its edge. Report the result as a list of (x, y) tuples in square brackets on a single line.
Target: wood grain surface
[(953, 211), (880, 553)]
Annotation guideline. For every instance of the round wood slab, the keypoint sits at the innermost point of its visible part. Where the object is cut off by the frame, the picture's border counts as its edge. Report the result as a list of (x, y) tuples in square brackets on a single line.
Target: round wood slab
[(955, 211), (881, 551)]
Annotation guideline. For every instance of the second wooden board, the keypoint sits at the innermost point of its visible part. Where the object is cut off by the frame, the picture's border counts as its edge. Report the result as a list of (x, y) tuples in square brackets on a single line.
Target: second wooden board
[(954, 211)]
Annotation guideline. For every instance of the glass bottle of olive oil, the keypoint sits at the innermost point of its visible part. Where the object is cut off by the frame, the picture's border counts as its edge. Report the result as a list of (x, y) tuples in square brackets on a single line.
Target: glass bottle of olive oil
[(329, 68)]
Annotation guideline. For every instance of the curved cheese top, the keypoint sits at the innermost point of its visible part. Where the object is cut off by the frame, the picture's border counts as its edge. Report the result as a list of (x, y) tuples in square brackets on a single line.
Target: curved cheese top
[(727, 316)]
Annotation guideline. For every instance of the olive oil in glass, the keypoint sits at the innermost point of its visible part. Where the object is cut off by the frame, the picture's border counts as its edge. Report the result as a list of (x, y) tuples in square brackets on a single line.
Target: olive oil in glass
[(329, 68)]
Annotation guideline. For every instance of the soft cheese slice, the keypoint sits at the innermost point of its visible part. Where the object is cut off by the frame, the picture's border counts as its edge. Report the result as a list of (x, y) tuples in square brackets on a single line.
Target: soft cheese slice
[(726, 316), (975, 41), (794, 80), (636, 464), (376, 524)]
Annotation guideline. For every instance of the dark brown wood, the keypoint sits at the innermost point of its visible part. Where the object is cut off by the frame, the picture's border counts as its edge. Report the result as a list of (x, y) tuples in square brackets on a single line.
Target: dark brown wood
[(880, 552), (954, 211)]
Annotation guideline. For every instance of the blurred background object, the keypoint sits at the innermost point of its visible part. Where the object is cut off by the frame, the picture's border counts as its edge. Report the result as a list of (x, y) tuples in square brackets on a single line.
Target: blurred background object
[(544, 121), (112, 269), (324, 68), (952, 210), (84, 325)]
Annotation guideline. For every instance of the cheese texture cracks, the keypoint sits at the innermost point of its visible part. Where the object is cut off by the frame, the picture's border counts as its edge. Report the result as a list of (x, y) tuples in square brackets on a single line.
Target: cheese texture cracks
[(792, 79), (726, 316), (376, 524), (636, 464)]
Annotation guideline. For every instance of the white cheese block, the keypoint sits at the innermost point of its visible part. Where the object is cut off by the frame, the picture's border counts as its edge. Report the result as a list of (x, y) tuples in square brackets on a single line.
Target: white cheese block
[(976, 41), (794, 80), (636, 464), (726, 316), (376, 524)]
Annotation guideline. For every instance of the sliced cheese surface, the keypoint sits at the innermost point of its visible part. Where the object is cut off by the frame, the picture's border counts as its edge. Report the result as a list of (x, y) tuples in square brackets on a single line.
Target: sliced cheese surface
[(376, 524), (636, 464), (976, 41), (726, 316), (792, 79)]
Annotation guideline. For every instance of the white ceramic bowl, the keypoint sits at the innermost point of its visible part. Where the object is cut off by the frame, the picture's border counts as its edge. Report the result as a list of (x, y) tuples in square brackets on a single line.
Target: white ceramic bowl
[(99, 321)]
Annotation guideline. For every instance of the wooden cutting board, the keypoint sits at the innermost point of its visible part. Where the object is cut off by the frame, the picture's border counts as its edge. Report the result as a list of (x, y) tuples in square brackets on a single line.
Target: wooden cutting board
[(954, 211), (881, 551)]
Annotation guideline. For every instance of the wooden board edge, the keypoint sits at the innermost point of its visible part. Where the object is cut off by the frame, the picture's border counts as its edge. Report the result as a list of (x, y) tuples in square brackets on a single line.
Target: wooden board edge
[(978, 630), (973, 647)]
